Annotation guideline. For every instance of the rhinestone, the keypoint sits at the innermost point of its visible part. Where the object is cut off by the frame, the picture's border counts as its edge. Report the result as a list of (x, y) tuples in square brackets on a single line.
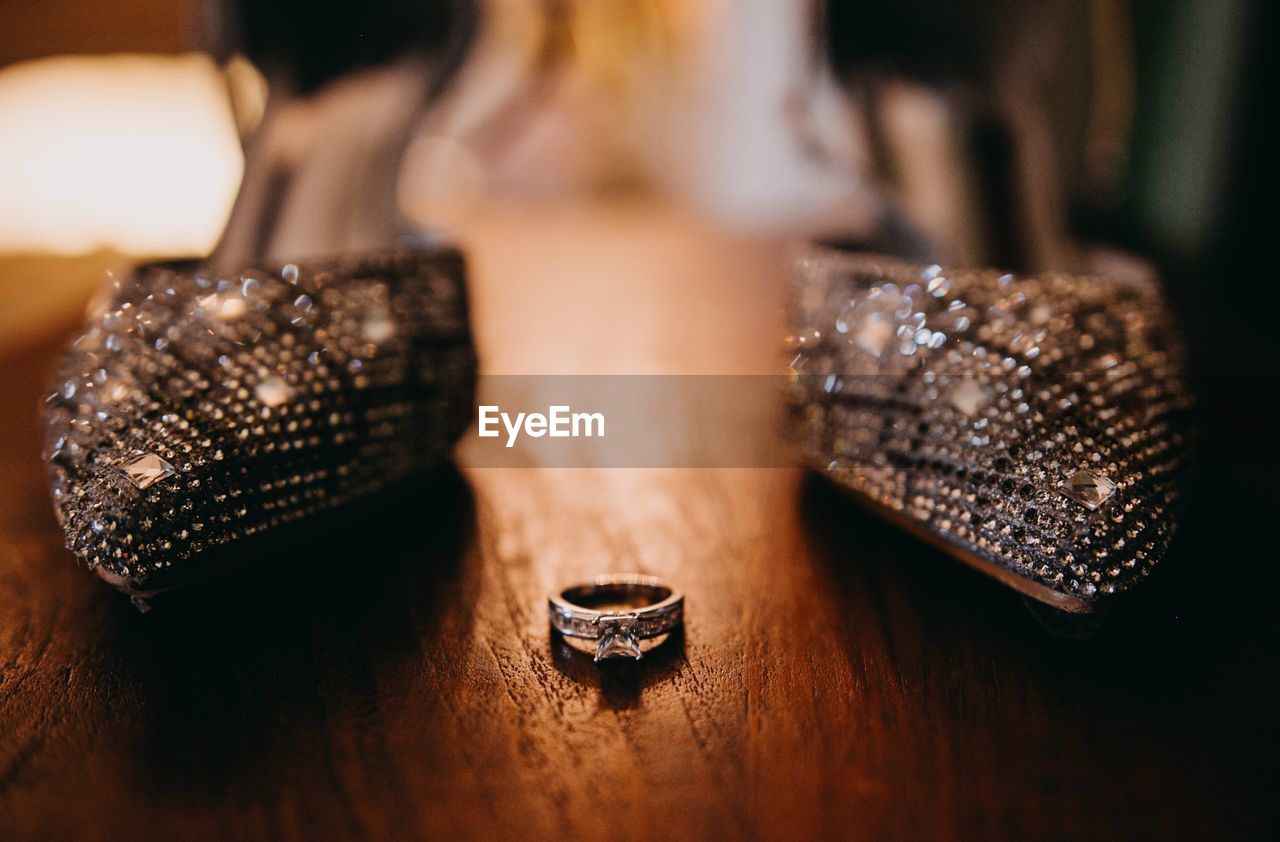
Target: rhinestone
[(146, 470), (114, 391), (1088, 489), (378, 327), (968, 397), (222, 306), (273, 391), (846, 320), (874, 333)]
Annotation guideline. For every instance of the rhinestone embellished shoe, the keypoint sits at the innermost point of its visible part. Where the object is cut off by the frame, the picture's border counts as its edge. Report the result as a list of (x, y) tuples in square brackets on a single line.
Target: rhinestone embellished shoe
[(1032, 427), (200, 420), (211, 414)]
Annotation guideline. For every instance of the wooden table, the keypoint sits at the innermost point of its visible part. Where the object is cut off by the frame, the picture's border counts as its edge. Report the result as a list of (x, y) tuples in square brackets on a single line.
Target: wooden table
[(837, 678)]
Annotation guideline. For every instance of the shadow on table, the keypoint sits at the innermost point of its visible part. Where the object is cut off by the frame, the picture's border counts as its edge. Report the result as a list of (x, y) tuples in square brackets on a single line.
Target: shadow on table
[(244, 679), (913, 588), (1174, 657)]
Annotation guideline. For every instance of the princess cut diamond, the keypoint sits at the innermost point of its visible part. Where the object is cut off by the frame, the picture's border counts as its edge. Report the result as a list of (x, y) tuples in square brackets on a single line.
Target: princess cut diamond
[(619, 637)]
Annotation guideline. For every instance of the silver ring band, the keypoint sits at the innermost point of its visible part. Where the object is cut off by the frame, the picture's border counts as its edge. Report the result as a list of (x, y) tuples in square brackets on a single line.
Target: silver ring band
[(617, 611)]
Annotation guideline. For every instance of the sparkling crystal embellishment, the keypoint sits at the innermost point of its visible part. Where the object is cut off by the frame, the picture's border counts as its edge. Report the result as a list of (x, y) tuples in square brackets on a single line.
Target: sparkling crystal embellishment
[(273, 391), (1032, 425), (223, 306), (874, 333), (257, 402), (378, 327), (146, 470), (619, 637), (1089, 489), (968, 397)]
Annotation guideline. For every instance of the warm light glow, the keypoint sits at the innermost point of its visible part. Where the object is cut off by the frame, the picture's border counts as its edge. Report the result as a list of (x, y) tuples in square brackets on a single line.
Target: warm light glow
[(134, 153)]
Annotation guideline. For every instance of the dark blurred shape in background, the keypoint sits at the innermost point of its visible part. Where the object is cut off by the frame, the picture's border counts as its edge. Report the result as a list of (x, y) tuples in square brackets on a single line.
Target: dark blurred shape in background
[(318, 41), (1075, 134)]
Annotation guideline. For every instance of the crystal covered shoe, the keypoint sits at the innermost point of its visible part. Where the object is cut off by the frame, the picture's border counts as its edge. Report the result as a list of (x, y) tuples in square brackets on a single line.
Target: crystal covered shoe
[(1031, 426), (319, 360), (200, 420)]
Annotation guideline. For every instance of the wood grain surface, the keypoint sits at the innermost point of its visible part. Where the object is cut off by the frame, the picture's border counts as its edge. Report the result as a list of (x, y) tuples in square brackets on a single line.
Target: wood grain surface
[(836, 679)]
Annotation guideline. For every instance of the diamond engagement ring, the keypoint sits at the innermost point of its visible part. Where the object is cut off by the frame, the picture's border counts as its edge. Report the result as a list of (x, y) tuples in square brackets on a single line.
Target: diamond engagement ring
[(617, 611)]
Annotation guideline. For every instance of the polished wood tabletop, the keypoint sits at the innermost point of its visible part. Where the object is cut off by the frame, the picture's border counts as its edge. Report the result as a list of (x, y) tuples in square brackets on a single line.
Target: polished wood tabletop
[(836, 679)]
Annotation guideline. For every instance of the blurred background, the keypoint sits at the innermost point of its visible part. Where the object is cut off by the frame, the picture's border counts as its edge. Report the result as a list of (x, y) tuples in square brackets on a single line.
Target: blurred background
[(1126, 137)]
